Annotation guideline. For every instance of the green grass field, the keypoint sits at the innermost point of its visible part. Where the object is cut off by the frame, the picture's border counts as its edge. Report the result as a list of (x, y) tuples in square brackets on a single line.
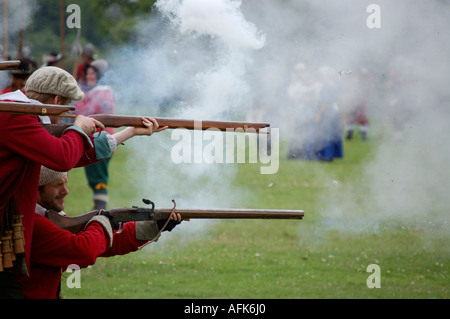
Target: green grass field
[(284, 259)]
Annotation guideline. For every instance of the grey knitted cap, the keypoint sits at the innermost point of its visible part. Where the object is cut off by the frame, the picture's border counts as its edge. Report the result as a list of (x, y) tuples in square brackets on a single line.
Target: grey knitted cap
[(54, 80), (48, 176)]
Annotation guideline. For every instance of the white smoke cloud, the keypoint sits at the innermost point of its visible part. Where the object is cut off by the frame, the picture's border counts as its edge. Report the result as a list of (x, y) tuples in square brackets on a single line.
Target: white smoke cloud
[(221, 59), (19, 16), (220, 19), (190, 62), (405, 181)]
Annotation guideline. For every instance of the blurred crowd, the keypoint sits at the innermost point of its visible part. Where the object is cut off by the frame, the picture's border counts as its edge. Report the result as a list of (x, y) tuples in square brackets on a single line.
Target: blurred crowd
[(17, 78), (327, 106)]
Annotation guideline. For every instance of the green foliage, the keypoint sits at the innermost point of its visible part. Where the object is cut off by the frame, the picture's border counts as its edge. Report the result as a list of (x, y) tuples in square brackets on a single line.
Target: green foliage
[(117, 18), (105, 23)]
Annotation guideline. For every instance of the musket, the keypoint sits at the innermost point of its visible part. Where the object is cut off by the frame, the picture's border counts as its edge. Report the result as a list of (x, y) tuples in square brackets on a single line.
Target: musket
[(126, 214), (35, 109), (115, 121), (10, 65)]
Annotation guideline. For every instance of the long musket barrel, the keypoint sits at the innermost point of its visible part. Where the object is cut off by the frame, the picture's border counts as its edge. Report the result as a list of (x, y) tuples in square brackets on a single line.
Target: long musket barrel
[(229, 213), (115, 121), (111, 120), (10, 65), (77, 223)]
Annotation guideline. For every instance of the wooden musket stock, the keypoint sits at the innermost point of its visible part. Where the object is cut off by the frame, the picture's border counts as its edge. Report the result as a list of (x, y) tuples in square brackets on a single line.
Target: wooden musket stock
[(124, 120), (112, 120), (34, 109), (115, 121)]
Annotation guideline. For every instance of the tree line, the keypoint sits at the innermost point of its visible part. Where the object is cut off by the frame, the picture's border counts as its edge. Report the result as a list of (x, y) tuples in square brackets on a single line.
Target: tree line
[(104, 23)]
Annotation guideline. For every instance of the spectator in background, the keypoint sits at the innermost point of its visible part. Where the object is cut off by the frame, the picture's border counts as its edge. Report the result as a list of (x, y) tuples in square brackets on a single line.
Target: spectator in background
[(359, 94), (303, 93), (52, 59), (325, 138), (98, 99), (88, 57), (19, 77)]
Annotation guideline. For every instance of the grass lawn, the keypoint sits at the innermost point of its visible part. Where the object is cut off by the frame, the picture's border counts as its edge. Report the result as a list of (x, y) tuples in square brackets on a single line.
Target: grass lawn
[(311, 258)]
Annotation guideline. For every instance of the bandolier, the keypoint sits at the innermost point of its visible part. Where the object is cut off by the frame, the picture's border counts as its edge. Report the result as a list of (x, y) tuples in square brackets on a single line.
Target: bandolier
[(12, 240)]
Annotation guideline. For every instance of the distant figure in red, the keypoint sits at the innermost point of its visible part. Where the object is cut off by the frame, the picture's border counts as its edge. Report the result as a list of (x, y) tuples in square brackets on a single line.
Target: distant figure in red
[(358, 98), (98, 99), (88, 57)]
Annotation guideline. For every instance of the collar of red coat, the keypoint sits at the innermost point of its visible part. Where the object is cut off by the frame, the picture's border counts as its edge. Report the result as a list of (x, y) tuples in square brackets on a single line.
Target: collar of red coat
[(19, 96)]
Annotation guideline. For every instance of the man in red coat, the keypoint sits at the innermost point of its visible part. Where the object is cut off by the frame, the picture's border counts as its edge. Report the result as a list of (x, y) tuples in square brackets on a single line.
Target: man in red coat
[(24, 147), (54, 249)]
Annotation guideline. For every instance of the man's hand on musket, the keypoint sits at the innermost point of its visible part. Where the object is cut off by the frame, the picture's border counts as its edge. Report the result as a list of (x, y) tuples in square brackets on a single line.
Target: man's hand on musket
[(151, 126), (175, 219), (87, 124), (151, 230)]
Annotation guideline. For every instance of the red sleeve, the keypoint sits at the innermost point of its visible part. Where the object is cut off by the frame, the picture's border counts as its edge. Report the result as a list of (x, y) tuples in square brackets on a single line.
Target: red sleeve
[(57, 247), (29, 139), (80, 71), (124, 242)]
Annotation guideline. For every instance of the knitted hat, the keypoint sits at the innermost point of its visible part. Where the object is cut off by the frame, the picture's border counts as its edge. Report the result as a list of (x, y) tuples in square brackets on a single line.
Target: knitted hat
[(54, 80), (48, 176)]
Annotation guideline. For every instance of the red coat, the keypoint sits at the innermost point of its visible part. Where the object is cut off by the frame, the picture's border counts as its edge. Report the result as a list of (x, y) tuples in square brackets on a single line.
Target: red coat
[(54, 249), (9, 89), (98, 100), (24, 146)]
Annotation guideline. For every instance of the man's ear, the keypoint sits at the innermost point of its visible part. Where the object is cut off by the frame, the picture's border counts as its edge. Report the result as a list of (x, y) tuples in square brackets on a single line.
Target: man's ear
[(60, 100), (55, 119), (52, 100)]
